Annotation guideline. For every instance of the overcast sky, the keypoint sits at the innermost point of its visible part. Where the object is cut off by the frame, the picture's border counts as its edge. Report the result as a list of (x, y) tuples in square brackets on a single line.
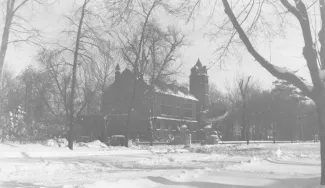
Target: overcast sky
[(284, 52)]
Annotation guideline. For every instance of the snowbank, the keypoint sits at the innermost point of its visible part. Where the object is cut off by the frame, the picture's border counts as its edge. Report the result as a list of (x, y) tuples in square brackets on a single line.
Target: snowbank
[(51, 143), (96, 148), (93, 144), (61, 142)]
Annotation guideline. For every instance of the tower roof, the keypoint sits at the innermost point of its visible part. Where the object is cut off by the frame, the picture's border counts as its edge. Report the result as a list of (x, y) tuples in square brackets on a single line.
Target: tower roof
[(198, 68), (198, 63)]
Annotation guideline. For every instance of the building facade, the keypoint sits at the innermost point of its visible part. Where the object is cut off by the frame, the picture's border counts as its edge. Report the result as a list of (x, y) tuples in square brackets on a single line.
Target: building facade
[(173, 107), (167, 105)]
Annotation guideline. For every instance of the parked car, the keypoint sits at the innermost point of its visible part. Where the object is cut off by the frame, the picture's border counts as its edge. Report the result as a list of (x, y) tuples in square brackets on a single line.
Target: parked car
[(85, 139), (116, 140)]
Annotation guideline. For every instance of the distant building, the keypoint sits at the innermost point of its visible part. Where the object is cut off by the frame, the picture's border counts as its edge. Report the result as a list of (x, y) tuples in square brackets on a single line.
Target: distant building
[(168, 105)]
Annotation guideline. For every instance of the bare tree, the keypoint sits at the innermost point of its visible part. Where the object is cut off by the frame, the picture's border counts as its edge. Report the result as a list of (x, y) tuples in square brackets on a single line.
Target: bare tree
[(89, 32), (160, 64), (248, 19), (214, 94), (315, 92), (219, 104), (74, 75), (133, 50), (243, 86), (17, 28), (54, 65), (100, 71)]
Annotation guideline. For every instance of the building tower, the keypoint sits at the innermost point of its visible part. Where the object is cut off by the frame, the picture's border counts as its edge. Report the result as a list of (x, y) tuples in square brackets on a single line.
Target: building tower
[(199, 87)]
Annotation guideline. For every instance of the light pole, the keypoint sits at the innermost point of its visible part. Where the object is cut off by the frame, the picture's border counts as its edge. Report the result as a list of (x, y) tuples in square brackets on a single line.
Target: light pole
[(300, 118)]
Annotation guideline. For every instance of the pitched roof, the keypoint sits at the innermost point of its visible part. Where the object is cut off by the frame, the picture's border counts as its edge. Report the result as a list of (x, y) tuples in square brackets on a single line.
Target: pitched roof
[(198, 63), (161, 87), (174, 90), (198, 68)]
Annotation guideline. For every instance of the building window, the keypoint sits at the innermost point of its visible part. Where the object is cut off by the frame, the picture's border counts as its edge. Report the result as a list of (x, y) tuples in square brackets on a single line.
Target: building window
[(162, 125), (166, 108), (188, 105), (188, 110), (177, 110)]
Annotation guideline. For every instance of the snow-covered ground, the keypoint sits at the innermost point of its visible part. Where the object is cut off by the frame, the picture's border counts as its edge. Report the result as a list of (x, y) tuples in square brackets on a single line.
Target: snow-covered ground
[(256, 165)]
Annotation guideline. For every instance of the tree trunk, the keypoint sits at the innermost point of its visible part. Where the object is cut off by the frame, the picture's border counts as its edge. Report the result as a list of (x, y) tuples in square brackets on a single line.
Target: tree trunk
[(322, 155), (247, 130), (74, 79), (5, 39), (320, 107), (127, 134)]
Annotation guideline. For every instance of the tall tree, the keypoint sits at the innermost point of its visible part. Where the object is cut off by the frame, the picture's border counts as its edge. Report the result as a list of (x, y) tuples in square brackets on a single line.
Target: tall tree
[(134, 50), (250, 18), (218, 102), (16, 27), (243, 85), (80, 64), (315, 92), (74, 75)]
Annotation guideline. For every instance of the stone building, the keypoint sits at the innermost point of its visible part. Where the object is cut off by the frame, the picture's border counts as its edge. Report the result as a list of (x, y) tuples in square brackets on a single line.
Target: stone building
[(169, 105)]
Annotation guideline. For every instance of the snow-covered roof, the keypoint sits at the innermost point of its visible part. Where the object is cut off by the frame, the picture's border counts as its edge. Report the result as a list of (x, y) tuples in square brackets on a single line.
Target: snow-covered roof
[(164, 88), (174, 92), (216, 119), (174, 119)]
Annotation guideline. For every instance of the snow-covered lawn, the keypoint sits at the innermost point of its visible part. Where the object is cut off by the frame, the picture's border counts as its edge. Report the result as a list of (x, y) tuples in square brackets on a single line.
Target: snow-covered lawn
[(256, 165), (16, 150)]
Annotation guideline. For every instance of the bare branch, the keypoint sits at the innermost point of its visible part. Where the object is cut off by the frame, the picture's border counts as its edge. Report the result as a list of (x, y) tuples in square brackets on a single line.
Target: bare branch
[(19, 6), (278, 72), (309, 50), (321, 34)]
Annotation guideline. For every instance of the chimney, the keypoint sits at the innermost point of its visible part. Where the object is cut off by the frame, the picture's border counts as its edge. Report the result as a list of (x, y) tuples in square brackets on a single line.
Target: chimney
[(117, 72)]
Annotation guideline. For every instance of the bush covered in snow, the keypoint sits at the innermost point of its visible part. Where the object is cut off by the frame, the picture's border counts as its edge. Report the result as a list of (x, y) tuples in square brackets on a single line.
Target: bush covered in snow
[(56, 142), (16, 128), (51, 143), (93, 144), (62, 142)]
